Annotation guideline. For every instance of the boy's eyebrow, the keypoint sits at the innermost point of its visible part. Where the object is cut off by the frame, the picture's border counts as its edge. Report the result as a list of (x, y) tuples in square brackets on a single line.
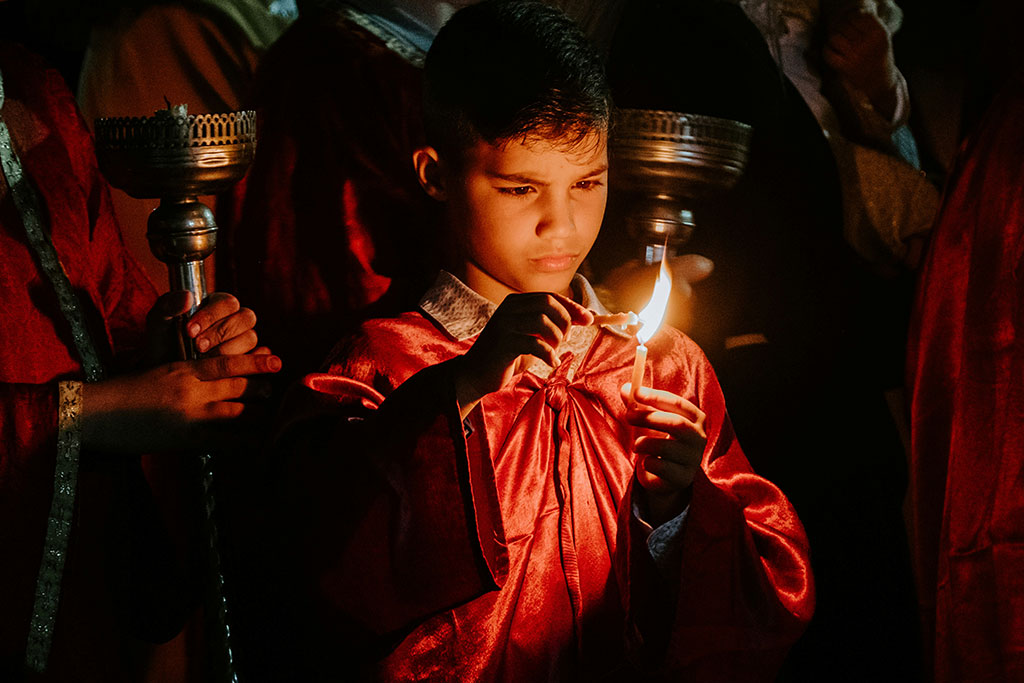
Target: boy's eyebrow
[(528, 180), (514, 178), (597, 170)]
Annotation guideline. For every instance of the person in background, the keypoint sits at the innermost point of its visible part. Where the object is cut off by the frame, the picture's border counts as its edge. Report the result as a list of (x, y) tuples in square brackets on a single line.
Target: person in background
[(329, 218), (965, 372), (85, 387), (839, 55)]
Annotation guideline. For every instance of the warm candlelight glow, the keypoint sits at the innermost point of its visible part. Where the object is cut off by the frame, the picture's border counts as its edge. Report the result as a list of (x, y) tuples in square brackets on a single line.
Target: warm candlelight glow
[(654, 312), (650, 321)]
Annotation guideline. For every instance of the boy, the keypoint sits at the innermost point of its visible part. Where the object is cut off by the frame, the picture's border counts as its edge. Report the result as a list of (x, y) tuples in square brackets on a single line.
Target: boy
[(492, 518)]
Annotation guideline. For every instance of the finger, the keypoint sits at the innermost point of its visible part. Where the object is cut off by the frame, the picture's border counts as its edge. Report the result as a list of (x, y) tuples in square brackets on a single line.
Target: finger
[(224, 410), (664, 401), (215, 307), (162, 326), (543, 315), (690, 268), (676, 475), (169, 306), (225, 389), (669, 449), (236, 346), (546, 304), (237, 389), (219, 367), (524, 313), (538, 348), (579, 314), (676, 426), (237, 324), (542, 326)]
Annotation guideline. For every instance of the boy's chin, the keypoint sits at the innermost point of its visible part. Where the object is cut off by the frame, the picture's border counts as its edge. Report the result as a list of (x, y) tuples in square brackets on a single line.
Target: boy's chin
[(560, 283)]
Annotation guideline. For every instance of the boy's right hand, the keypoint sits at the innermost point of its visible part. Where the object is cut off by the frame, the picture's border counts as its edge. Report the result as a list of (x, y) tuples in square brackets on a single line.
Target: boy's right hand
[(171, 406), (530, 324)]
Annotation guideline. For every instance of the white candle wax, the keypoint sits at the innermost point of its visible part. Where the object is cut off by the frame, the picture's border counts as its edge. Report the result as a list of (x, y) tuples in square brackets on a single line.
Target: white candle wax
[(639, 365)]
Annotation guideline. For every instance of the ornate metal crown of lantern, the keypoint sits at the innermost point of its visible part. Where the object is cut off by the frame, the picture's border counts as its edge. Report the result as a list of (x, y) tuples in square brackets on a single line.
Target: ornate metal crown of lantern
[(177, 157), (665, 161)]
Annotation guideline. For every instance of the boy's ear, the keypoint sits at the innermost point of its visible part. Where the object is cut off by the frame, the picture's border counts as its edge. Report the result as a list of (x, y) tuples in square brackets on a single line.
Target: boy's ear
[(430, 172)]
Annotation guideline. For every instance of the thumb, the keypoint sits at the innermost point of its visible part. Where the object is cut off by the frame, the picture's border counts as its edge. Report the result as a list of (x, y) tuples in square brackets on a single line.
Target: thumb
[(170, 306)]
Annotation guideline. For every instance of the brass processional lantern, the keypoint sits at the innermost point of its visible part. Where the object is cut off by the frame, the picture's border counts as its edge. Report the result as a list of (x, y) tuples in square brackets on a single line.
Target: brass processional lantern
[(663, 163), (177, 157)]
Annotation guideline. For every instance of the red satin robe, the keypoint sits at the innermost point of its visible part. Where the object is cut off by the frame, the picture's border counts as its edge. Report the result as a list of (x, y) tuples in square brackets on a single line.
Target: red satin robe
[(36, 351), (513, 553), (966, 365)]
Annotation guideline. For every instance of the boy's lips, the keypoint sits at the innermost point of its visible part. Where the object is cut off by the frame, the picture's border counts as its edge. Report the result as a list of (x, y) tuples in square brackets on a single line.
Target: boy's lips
[(554, 263)]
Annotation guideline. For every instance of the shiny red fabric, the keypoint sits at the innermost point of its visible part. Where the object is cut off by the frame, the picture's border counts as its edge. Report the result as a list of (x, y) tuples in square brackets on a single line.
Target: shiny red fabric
[(36, 350), (966, 365), (513, 554)]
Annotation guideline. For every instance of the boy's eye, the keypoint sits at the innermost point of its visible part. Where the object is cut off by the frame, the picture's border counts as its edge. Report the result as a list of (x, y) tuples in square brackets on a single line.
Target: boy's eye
[(588, 184), (520, 191)]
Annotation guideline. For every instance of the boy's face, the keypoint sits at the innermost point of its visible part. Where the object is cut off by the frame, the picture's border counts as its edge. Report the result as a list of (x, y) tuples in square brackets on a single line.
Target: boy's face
[(526, 214)]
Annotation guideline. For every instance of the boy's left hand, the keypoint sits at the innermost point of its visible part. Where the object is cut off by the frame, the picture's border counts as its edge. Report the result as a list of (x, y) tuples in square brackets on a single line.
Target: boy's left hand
[(667, 465)]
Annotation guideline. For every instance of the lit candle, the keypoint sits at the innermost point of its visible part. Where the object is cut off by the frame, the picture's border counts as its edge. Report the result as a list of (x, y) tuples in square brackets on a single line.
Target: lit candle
[(650, 320), (639, 365)]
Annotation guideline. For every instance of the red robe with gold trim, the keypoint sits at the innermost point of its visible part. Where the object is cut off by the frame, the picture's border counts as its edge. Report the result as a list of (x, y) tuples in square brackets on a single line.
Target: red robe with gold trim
[(37, 351), (513, 553)]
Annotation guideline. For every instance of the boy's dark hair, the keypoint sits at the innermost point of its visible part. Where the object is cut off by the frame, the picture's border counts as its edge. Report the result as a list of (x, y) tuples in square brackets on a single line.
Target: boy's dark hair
[(504, 70)]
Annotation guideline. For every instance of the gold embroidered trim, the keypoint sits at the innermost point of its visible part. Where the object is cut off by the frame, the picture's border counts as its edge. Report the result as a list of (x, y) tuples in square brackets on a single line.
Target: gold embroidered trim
[(27, 203), (69, 438), (58, 528), (393, 42)]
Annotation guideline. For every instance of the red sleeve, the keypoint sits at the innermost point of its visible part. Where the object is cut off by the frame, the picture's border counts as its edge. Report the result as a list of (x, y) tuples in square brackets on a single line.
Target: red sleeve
[(125, 293), (745, 591), (383, 490)]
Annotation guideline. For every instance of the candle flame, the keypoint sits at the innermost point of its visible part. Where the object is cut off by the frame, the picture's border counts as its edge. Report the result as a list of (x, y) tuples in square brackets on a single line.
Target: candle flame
[(654, 311)]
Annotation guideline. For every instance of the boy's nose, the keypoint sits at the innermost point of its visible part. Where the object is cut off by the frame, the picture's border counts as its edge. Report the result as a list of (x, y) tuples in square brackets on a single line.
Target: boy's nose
[(557, 219)]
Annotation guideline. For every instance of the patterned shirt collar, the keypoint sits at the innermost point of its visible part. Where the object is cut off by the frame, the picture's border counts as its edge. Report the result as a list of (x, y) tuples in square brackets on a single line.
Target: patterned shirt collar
[(463, 313)]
